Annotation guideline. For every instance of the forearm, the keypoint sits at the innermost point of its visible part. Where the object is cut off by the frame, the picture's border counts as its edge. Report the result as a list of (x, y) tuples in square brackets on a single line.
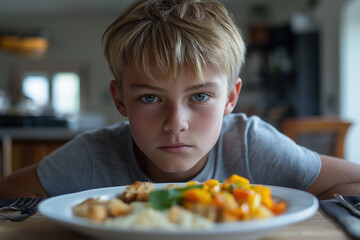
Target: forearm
[(344, 189), (24, 182), (9, 191), (336, 176)]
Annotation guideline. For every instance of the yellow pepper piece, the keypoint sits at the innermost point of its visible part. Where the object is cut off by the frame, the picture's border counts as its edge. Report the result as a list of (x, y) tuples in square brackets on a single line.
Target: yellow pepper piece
[(265, 193), (197, 195), (191, 183), (212, 186), (211, 183), (236, 179)]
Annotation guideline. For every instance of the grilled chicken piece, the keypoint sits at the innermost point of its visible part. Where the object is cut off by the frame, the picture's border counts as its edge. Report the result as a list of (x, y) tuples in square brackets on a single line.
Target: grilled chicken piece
[(138, 191)]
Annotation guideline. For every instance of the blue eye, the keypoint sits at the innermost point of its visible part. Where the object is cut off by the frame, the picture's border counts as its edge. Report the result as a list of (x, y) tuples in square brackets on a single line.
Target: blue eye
[(200, 97), (148, 98)]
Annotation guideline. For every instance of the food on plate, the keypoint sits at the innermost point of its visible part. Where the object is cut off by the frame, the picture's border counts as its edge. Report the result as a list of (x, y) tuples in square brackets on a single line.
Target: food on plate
[(138, 191), (190, 206), (101, 210)]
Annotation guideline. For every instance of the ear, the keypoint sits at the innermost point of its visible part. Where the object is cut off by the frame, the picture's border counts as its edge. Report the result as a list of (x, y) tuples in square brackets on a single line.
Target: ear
[(117, 98), (232, 97)]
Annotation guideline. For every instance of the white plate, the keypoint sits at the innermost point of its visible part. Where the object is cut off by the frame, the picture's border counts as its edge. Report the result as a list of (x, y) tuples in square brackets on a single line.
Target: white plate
[(301, 205)]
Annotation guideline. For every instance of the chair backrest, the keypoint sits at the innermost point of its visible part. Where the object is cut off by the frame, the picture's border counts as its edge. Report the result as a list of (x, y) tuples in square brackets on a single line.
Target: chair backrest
[(325, 135)]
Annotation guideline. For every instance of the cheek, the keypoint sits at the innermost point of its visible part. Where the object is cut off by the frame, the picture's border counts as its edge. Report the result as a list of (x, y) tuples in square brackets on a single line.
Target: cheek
[(208, 123), (142, 124)]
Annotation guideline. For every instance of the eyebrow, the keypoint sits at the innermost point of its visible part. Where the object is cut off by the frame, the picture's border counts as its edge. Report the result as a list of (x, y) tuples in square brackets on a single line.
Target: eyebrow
[(208, 84), (155, 88), (146, 86)]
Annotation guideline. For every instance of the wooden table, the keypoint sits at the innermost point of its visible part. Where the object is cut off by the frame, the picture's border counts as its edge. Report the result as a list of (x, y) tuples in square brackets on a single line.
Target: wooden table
[(38, 227)]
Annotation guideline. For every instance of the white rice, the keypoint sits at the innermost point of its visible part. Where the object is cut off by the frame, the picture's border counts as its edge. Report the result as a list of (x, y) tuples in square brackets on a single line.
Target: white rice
[(144, 217)]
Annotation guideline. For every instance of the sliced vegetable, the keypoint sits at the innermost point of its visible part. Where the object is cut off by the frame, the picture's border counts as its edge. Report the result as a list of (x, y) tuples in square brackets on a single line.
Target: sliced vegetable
[(235, 199), (165, 198)]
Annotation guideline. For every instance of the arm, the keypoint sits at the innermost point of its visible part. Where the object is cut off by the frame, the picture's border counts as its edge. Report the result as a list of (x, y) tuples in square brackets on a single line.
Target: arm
[(336, 176), (24, 182)]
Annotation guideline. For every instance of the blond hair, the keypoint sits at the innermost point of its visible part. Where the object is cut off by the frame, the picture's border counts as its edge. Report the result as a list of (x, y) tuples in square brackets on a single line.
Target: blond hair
[(168, 35)]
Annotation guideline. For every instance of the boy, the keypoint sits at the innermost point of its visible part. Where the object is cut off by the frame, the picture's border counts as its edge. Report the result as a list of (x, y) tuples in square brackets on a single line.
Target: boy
[(176, 66)]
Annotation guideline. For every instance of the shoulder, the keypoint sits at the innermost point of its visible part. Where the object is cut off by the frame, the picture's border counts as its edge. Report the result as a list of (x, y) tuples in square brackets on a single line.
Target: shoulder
[(114, 131), (116, 128), (240, 118), (240, 122), (256, 136), (95, 142), (252, 131)]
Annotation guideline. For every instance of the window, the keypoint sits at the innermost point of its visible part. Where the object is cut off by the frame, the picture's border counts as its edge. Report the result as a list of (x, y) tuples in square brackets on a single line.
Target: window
[(53, 88), (66, 93), (36, 88), (64, 97), (350, 71)]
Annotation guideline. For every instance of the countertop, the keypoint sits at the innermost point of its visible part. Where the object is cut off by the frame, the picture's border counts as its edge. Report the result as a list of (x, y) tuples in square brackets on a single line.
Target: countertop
[(48, 133)]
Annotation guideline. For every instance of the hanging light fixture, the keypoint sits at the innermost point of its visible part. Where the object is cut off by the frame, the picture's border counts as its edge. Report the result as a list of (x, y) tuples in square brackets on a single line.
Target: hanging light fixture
[(30, 45)]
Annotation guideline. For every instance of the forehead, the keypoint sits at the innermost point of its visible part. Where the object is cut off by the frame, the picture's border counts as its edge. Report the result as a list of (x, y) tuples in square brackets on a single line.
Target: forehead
[(185, 77)]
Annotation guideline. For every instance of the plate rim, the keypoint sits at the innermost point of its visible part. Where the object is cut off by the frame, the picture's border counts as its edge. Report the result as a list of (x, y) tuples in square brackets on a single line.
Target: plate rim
[(293, 215)]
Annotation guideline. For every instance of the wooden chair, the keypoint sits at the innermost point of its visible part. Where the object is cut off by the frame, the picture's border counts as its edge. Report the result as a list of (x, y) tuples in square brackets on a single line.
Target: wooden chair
[(325, 135)]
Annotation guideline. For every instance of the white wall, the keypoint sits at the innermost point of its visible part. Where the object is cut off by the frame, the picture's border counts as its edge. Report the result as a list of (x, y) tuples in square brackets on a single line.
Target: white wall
[(329, 42), (350, 76)]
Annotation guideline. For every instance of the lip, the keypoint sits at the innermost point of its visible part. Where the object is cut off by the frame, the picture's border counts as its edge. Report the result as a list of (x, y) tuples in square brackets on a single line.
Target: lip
[(175, 148)]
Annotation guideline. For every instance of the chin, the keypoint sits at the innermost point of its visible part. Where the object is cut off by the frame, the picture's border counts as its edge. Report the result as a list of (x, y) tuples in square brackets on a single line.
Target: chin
[(175, 170), (171, 168)]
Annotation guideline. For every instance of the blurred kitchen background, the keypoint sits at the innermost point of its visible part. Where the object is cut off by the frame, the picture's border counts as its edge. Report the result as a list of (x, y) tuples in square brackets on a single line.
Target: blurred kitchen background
[(302, 60)]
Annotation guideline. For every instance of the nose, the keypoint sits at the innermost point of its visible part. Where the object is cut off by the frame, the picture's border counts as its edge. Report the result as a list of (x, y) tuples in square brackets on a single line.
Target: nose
[(176, 119)]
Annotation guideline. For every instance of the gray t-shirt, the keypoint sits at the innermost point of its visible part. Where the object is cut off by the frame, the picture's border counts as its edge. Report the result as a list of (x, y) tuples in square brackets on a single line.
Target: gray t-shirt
[(247, 146)]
